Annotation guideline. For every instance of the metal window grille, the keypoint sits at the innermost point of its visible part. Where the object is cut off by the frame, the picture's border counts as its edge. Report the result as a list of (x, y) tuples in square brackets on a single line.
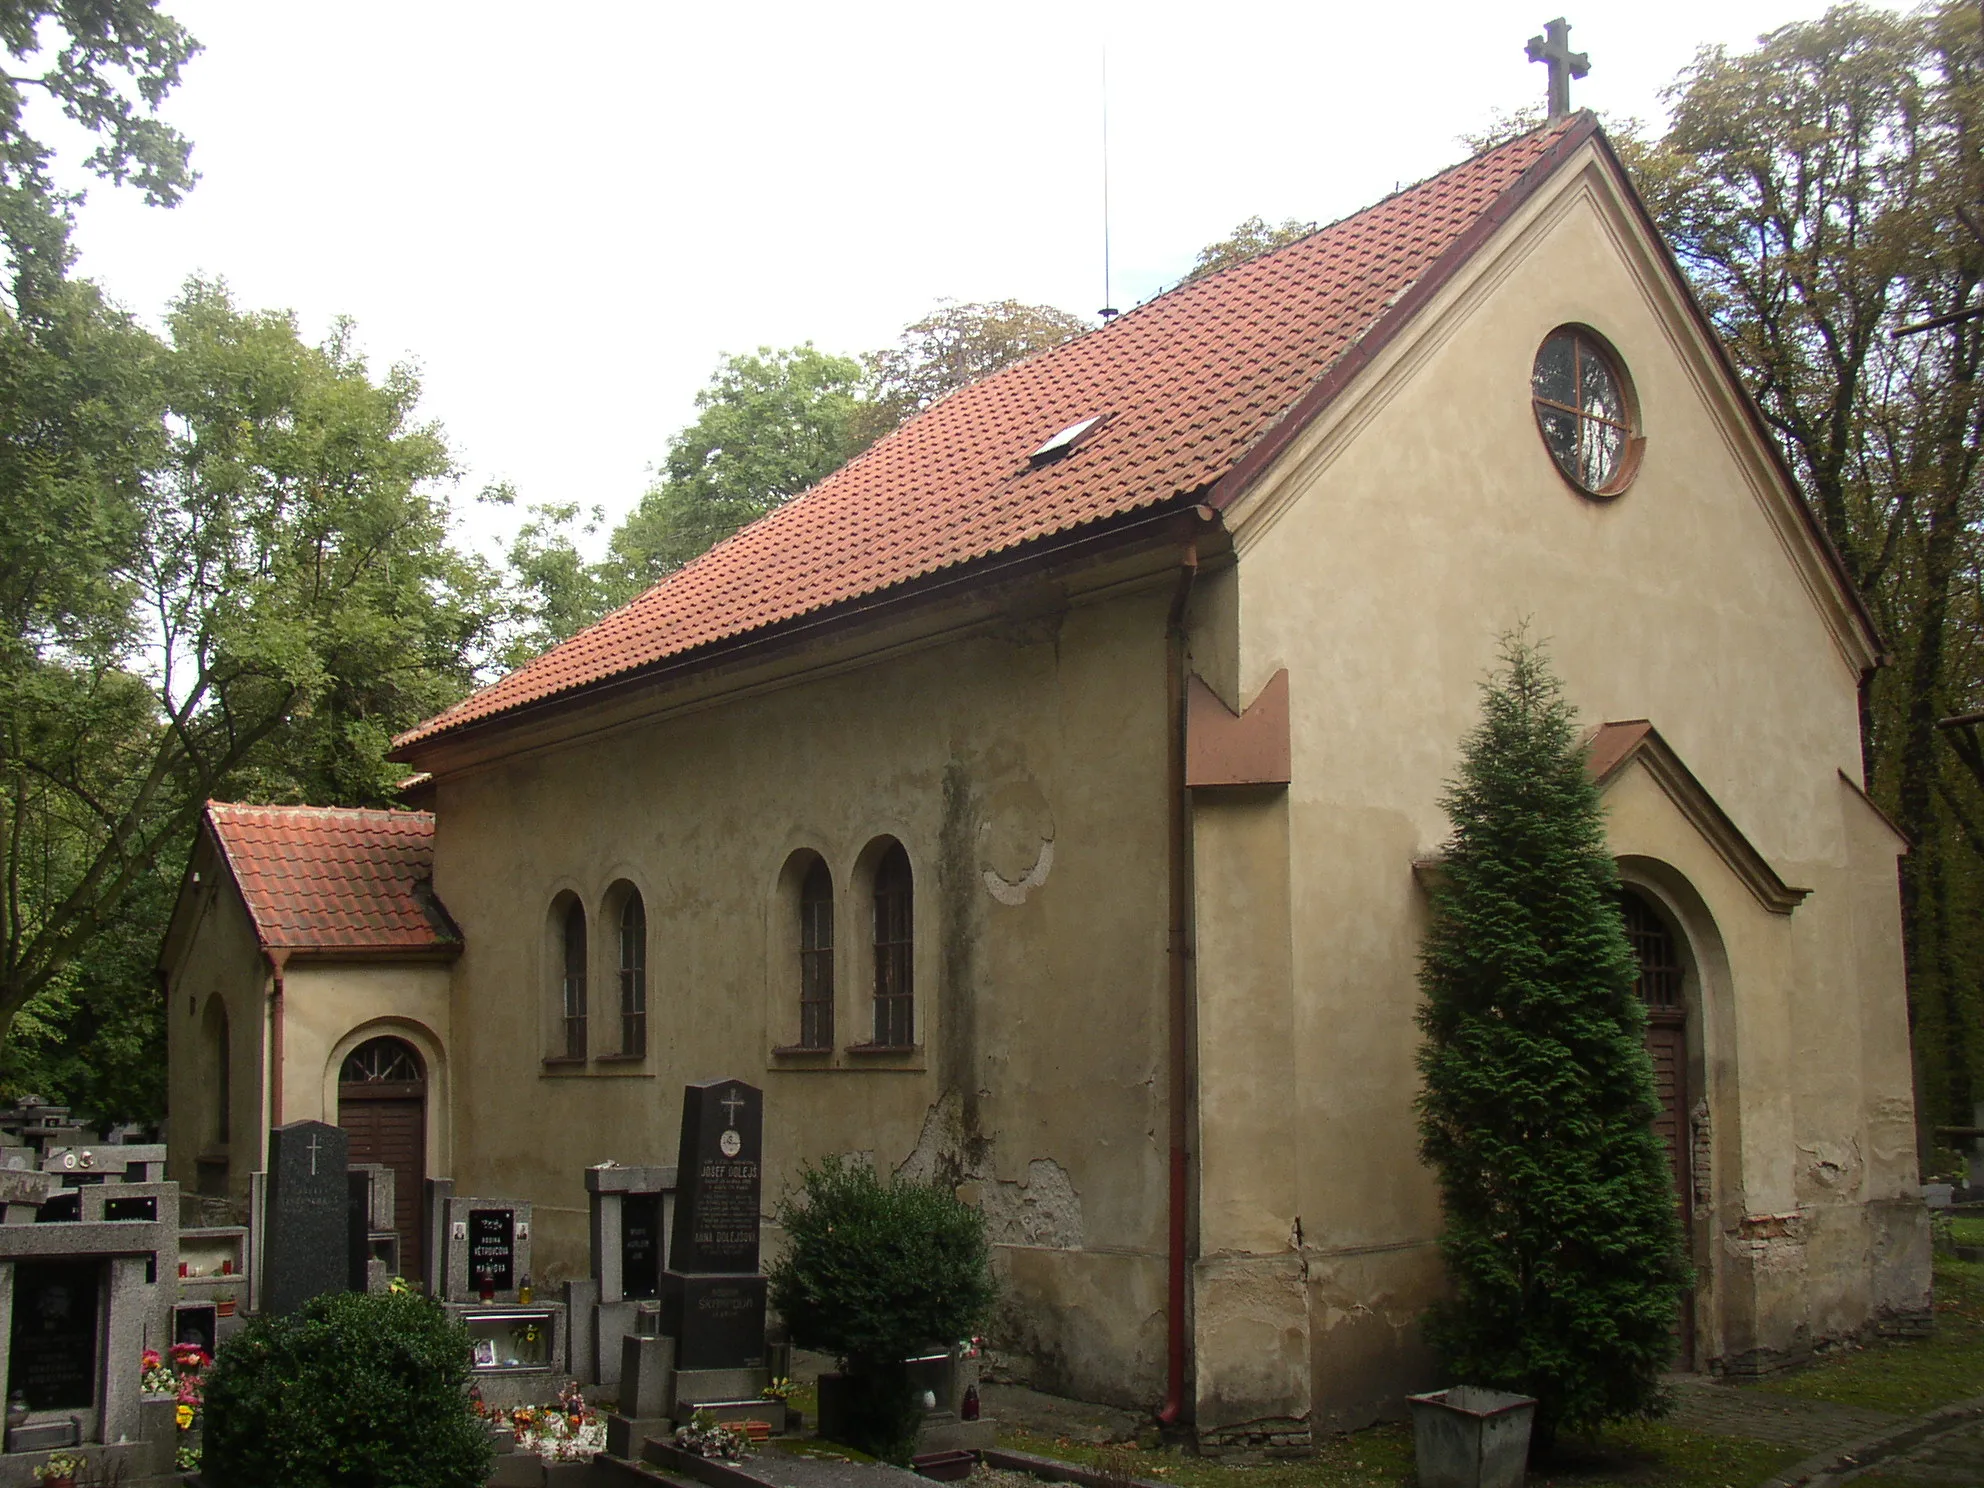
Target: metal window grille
[(633, 976), (895, 989), (380, 1061), (816, 958), (1660, 969), (575, 982)]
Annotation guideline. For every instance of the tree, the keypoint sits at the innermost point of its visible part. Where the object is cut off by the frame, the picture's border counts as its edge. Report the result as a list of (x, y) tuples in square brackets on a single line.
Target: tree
[(93, 56), (1824, 192), (1250, 239), (770, 425), (265, 595), (876, 1271), (956, 345), (553, 591), (1561, 1239)]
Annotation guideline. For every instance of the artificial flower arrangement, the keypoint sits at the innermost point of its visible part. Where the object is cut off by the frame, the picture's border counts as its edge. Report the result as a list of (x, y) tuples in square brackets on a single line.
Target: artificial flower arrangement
[(705, 1437), (569, 1431), (779, 1389), (156, 1378), (61, 1467)]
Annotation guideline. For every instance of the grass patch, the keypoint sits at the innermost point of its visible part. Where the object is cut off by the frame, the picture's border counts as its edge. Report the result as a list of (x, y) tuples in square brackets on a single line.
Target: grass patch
[(1913, 1375), (1643, 1454), (1966, 1229)]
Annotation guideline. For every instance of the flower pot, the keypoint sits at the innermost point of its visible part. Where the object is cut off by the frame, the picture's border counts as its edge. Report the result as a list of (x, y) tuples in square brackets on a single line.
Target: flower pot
[(224, 1309), (1468, 1437)]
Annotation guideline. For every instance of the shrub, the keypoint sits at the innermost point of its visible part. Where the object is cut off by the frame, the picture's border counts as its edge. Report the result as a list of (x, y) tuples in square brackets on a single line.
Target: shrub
[(875, 1271), (352, 1391), (1561, 1239)]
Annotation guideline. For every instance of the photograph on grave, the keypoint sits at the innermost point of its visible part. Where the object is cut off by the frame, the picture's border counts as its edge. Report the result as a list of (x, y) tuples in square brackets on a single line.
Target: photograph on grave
[(52, 1347)]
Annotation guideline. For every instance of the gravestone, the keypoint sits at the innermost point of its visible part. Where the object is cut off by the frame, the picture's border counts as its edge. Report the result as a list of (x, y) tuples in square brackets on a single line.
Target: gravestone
[(630, 1210), (492, 1250), (306, 1248), (486, 1248), (52, 1350), (712, 1296)]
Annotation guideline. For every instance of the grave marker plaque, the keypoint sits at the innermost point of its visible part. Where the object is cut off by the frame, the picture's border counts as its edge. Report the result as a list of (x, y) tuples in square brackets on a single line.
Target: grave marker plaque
[(306, 1249), (716, 1208), (492, 1249), (640, 1245), (52, 1349)]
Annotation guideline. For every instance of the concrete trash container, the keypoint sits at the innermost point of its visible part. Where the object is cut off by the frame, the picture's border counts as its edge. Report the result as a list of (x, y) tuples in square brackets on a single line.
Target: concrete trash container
[(1468, 1437)]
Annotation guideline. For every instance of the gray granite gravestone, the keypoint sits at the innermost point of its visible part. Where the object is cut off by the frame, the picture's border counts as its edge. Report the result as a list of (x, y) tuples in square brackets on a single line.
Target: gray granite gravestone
[(306, 1248), (630, 1209), (712, 1296)]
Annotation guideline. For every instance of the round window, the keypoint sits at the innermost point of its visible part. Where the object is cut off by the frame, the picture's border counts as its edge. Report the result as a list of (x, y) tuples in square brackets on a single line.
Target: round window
[(1584, 409)]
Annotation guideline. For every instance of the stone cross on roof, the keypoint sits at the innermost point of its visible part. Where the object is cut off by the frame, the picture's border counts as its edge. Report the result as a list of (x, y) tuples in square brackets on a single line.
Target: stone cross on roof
[(1554, 47)]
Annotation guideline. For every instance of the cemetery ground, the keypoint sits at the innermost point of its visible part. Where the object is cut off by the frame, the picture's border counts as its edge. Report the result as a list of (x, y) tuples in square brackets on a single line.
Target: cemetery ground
[(1720, 1436)]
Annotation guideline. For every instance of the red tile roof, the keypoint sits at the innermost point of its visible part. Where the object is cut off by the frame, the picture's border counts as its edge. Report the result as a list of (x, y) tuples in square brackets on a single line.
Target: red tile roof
[(324, 878), (1191, 383)]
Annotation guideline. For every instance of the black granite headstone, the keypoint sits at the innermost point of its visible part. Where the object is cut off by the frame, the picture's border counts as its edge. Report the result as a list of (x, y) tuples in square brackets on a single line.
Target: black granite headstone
[(716, 1205), (307, 1249), (492, 1249), (717, 1322), (144, 1207), (51, 1354), (640, 1245), (357, 1228)]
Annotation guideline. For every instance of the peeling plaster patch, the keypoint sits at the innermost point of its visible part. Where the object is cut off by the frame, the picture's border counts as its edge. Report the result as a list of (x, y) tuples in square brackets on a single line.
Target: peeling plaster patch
[(1015, 841), (1828, 1170), (1041, 1208), (1015, 893)]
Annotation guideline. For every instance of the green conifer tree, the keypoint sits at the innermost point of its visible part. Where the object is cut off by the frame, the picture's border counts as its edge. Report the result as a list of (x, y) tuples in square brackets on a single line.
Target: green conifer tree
[(1561, 1240)]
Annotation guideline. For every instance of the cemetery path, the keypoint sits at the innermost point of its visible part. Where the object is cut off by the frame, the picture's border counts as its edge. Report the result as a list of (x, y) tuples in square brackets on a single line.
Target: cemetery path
[(1717, 1409)]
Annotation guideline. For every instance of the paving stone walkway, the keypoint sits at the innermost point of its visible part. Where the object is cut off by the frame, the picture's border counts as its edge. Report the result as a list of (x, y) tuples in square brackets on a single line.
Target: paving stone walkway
[(1717, 1409), (1955, 1459)]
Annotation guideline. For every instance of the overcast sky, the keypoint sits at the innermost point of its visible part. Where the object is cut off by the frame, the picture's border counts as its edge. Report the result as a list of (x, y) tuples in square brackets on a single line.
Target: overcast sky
[(564, 215)]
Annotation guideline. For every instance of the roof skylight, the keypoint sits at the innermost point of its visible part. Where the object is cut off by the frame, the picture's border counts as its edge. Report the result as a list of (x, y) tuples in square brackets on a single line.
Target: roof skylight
[(1066, 440)]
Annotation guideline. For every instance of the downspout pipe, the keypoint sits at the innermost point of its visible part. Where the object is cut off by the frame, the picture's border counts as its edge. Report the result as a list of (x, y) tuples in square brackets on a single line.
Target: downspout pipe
[(1172, 1413), (278, 961)]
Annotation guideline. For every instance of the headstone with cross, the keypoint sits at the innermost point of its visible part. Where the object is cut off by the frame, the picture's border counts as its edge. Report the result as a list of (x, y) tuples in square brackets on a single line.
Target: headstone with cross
[(1553, 48), (712, 1295), (306, 1244)]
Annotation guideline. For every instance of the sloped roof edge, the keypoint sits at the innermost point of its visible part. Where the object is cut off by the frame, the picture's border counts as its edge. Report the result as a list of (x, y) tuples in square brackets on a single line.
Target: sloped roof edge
[(1614, 746)]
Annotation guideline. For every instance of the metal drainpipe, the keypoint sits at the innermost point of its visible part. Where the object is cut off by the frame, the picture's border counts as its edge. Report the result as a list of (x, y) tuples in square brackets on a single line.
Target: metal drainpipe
[(278, 959), (1173, 1410)]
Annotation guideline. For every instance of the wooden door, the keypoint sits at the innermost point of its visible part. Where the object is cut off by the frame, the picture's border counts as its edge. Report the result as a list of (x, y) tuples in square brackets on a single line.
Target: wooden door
[(1661, 987), (382, 1104)]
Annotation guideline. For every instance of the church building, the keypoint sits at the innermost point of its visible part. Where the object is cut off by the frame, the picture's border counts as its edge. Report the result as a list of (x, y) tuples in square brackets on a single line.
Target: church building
[(1042, 805)]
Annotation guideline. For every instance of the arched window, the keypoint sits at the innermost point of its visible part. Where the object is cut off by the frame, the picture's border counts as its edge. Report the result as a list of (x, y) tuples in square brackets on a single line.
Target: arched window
[(895, 987), (382, 1061), (1659, 957), (633, 976), (574, 985), (221, 1054), (816, 958)]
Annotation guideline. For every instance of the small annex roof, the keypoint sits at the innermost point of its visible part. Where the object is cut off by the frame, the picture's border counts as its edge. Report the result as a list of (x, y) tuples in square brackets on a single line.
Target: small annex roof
[(1613, 746), (1191, 384), (334, 880)]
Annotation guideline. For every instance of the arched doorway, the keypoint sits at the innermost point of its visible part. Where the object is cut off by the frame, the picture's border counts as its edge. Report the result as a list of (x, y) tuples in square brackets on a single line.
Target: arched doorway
[(382, 1103), (1662, 987)]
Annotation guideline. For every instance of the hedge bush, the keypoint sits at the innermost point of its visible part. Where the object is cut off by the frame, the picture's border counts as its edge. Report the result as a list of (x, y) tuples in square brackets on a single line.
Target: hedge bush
[(876, 1271), (353, 1390)]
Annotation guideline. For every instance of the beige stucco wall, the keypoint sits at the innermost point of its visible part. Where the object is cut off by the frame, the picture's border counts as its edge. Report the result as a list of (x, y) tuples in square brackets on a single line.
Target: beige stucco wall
[(218, 958), (1378, 563), (331, 1007), (1022, 768)]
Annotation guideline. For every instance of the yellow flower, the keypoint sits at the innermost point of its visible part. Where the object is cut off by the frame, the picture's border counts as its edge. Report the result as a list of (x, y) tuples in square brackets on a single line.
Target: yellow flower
[(184, 1415)]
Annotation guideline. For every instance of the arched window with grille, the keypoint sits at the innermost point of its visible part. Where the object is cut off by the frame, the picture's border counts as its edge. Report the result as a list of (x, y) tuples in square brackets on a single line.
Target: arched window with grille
[(816, 957), (895, 951), (633, 976), (573, 979)]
